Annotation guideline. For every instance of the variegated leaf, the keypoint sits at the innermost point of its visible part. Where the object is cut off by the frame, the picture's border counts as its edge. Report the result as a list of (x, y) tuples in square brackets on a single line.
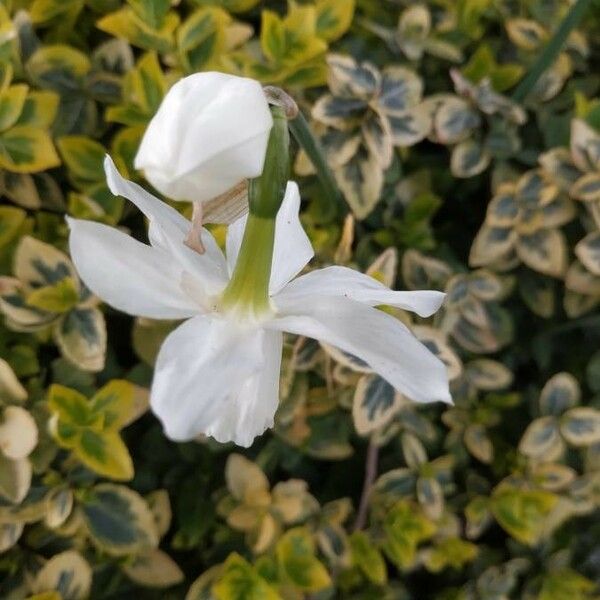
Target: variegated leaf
[(561, 392), (534, 189), (410, 126), (587, 188), (155, 569), (558, 212), (361, 182), (491, 244), (10, 386), (552, 80), (503, 208), (413, 450), (334, 544), (375, 404), (118, 520), (559, 167), (18, 433), (67, 573), (243, 477), (39, 264), (81, 337), (539, 294), (59, 507), (526, 33), (544, 251), (339, 112), (421, 272), (553, 476), (413, 30), (367, 558), (585, 146), (582, 281), (478, 443), (347, 78), (15, 478), (485, 340), (377, 135), (455, 120), (488, 375), (542, 440), (401, 89), (588, 252), (580, 426), (395, 484), (9, 535), (469, 158), (430, 497)]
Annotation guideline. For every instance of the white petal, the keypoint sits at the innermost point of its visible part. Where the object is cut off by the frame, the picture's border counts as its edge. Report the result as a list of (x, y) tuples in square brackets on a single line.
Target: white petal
[(293, 249), (250, 412), (342, 281), (215, 378), (128, 275), (168, 230), (379, 339)]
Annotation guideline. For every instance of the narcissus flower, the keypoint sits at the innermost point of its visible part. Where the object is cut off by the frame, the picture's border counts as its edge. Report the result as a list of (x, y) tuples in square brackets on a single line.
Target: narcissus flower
[(218, 373), (210, 133)]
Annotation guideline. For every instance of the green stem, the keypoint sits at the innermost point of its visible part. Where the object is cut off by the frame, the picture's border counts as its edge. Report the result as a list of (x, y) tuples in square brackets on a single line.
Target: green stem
[(313, 148), (249, 285), (266, 192), (550, 52), (248, 289)]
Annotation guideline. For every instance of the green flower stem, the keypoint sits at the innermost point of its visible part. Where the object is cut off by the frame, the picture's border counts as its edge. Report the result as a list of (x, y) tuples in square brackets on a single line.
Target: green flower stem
[(266, 192), (249, 285), (550, 52), (302, 133)]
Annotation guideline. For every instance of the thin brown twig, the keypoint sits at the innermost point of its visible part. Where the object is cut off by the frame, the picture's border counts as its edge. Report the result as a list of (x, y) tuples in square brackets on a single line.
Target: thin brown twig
[(370, 475)]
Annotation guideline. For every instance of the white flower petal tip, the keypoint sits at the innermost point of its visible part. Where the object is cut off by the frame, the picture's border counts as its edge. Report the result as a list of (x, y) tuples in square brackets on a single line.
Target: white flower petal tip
[(209, 133)]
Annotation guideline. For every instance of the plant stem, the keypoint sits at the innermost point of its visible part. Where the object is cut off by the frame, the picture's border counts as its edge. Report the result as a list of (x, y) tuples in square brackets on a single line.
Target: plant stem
[(310, 144), (370, 475), (550, 52), (249, 284)]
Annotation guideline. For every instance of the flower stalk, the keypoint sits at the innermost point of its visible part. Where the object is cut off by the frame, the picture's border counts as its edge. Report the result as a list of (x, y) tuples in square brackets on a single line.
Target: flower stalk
[(249, 285)]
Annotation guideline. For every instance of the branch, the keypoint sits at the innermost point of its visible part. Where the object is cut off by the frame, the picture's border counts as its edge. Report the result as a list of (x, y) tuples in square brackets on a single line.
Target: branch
[(370, 475)]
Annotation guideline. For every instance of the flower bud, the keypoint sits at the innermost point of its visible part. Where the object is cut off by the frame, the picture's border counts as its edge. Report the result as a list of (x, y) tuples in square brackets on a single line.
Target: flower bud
[(209, 134)]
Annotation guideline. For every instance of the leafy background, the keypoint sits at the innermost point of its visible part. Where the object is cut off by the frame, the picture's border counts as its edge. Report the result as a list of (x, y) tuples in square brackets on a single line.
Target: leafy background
[(455, 173)]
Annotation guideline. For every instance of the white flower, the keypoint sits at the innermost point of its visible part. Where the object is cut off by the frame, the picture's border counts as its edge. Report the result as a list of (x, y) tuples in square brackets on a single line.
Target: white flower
[(218, 372), (209, 134)]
